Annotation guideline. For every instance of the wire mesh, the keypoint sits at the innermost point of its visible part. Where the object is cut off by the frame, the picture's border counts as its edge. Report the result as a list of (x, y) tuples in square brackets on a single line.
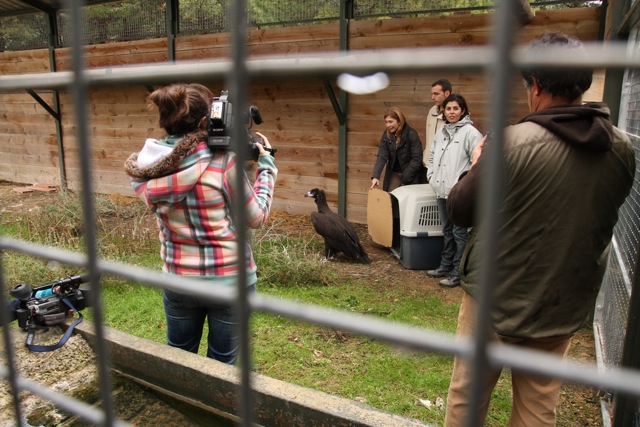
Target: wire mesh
[(627, 232), (375, 8), (292, 12), (612, 311), (127, 20), (204, 17), (117, 22), (24, 32)]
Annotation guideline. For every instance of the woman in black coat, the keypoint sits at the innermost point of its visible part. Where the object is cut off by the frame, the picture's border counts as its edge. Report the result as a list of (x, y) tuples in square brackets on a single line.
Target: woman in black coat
[(400, 151)]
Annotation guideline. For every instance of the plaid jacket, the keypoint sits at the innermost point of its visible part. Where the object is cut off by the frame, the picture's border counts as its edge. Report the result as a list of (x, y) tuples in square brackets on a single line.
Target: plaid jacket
[(190, 193)]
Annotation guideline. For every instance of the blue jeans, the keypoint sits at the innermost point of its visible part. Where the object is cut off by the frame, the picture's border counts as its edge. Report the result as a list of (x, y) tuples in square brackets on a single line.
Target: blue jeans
[(455, 240), (185, 316)]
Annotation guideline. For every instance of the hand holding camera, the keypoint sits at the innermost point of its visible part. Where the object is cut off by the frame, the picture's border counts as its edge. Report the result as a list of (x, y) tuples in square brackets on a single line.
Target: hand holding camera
[(220, 124), (263, 145)]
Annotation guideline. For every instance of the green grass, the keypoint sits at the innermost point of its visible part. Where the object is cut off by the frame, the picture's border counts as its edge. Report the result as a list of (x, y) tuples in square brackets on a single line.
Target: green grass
[(133, 308), (354, 367), (336, 362)]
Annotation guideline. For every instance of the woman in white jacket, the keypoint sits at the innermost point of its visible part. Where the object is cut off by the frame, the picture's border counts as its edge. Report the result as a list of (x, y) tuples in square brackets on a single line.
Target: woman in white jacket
[(450, 157)]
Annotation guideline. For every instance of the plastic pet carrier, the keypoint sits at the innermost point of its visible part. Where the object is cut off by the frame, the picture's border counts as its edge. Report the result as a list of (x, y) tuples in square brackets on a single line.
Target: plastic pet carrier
[(407, 221)]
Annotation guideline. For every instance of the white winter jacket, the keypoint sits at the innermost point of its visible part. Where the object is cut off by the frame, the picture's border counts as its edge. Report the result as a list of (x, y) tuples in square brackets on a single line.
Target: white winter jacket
[(451, 155)]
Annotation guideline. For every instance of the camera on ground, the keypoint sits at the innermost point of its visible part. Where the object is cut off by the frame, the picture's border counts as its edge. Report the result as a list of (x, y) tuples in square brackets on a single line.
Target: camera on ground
[(45, 305)]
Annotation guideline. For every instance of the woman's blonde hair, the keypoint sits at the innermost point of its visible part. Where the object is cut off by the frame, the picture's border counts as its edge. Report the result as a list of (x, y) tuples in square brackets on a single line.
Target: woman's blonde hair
[(395, 113)]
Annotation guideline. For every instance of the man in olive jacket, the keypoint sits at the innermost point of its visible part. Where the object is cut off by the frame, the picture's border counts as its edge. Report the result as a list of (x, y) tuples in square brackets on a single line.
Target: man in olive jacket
[(567, 171)]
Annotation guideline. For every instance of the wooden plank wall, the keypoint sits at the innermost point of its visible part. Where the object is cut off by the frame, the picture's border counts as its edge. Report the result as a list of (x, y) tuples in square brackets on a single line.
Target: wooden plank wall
[(28, 146), (298, 117)]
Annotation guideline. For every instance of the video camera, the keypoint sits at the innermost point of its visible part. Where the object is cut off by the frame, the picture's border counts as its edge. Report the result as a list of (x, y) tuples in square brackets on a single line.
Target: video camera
[(221, 122), (44, 305)]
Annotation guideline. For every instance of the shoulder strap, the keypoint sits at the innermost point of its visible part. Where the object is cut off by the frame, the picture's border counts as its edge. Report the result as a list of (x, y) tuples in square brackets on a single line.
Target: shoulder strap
[(41, 348)]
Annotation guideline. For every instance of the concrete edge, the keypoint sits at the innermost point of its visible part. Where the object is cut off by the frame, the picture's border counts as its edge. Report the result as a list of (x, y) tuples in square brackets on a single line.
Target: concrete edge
[(213, 386)]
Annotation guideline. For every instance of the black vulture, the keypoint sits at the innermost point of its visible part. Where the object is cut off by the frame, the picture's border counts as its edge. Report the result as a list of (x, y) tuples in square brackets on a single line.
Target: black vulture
[(337, 232)]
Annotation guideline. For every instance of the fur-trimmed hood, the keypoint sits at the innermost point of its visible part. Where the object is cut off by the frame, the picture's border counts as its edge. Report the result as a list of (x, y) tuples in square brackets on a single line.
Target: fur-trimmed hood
[(166, 164)]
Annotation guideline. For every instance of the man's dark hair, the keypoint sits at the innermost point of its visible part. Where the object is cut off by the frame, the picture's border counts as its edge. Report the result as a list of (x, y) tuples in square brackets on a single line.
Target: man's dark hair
[(444, 84), (569, 83)]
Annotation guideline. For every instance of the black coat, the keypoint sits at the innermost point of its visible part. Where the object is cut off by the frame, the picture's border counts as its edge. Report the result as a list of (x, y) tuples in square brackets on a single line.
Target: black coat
[(408, 155)]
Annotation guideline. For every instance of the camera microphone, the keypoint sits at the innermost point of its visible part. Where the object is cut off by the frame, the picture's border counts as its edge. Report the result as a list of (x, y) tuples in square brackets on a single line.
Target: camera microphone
[(254, 112), (221, 121)]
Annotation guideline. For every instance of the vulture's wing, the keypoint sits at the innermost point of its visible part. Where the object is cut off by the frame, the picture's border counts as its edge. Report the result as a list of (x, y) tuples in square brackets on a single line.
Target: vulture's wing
[(339, 235), (352, 245), (326, 225)]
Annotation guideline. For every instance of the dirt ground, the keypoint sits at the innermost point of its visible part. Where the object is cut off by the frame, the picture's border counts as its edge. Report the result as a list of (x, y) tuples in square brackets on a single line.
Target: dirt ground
[(70, 370), (54, 370)]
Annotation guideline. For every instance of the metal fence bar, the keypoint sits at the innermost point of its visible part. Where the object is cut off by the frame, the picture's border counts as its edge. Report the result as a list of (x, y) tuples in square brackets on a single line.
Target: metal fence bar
[(239, 81), (73, 406), (613, 55), (79, 89), (490, 193), (394, 333), (11, 374)]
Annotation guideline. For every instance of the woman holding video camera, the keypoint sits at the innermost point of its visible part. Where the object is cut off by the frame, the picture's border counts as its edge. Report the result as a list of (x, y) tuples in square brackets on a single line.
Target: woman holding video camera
[(189, 187)]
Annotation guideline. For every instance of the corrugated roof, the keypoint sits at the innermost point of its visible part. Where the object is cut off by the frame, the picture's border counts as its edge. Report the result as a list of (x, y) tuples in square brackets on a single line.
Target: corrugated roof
[(20, 7)]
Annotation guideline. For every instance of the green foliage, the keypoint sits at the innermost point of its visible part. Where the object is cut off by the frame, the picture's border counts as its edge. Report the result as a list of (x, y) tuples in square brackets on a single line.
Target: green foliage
[(23, 32), (566, 4), (383, 376), (204, 16), (292, 11), (139, 19), (198, 9)]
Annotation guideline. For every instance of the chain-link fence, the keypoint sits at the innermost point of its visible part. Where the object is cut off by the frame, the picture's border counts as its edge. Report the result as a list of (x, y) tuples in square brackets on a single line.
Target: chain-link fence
[(142, 19), (612, 311)]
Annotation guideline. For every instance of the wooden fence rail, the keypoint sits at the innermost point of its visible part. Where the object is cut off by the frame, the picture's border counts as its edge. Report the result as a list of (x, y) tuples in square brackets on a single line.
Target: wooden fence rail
[(298, 116)]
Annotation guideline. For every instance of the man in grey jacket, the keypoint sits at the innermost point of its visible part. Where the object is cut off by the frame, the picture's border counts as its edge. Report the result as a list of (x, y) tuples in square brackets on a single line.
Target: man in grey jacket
[(567, 171)]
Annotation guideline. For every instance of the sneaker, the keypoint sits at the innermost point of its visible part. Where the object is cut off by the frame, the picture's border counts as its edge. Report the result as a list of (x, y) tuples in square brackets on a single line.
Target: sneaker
[(450, 282), (438, 272)]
